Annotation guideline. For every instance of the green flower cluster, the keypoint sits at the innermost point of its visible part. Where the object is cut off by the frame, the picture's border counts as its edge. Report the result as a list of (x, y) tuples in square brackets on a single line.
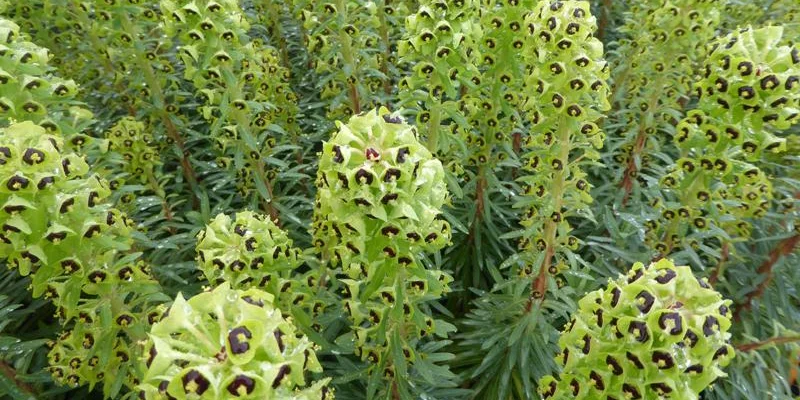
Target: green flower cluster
[(250, 251), (378, 184), (656, 333), (28, 91), (441, 45), (229, 343), (244, 88), (749, 92), (57, 228), (566, 76), (140, 157), (491, 100), (350, 43), (380, 193), (658, 62)]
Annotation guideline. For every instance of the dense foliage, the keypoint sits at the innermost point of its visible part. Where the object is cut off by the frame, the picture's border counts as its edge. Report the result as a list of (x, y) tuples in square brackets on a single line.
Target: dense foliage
[(432, 199)]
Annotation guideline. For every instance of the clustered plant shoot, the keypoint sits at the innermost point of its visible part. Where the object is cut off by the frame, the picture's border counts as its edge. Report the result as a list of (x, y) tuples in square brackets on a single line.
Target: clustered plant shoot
[(398, 199)]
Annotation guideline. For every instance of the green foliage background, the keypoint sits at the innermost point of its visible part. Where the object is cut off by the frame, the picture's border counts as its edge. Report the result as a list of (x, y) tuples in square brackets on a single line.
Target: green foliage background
[(229, 111)]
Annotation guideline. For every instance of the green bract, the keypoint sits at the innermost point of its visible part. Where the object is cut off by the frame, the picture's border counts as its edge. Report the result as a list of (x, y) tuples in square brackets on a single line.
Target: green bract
[(226, 344), (656, 332)]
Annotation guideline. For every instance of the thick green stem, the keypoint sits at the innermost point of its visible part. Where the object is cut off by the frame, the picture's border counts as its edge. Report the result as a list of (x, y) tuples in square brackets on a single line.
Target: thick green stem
[(434, 125)]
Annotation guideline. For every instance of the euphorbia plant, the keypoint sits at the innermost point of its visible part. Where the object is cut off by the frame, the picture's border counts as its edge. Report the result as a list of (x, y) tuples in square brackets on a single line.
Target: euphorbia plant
[(243, 86), (57, 228), (350, 43), (380, 193), (566, 79), (440, 45), (195, 113)]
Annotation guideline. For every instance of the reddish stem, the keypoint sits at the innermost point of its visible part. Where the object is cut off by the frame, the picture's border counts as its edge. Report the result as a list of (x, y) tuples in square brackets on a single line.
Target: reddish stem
[(11, 374), (355, 102), (771, 341), (539, 285), (784, 248), (630, 170), (725, 252)]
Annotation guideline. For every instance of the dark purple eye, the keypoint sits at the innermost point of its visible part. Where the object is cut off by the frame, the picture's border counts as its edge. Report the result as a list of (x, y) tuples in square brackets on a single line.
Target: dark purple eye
[(337, 155), (635, 360), (663, 360), (615, 293), (392, 120), (242, 385), (279, 339), (238, 340), (282, 372), (364, 177), (665, 276), (612, 362), (646, 301), (639, 330), (17, 182), (402, 154), (675, 320), (195, 382), (710, 326), (33, 156)]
